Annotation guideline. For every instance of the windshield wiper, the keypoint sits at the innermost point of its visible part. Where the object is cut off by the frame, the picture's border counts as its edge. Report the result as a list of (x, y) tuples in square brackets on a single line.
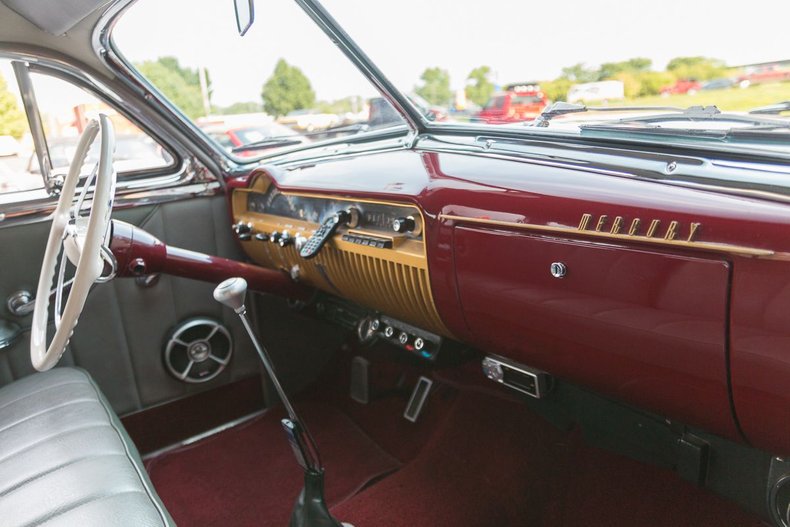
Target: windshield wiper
[(691, 114), (276, 141), (564, 108), (772, 109)]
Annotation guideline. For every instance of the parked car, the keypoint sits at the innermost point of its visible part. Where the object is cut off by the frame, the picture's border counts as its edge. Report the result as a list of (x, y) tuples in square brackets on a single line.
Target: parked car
[(517, 103), (230, 137), (764, 74), (309, 120), (597, 91), (682, 87), (718, 84)]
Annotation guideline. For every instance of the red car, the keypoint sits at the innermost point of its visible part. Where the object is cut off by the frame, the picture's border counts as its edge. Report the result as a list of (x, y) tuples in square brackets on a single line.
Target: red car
[(518, 103), (682, 87), (764, 74)]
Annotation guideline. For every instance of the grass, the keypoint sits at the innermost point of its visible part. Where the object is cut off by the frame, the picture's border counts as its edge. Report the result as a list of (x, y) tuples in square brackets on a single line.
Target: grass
[(730, 99)]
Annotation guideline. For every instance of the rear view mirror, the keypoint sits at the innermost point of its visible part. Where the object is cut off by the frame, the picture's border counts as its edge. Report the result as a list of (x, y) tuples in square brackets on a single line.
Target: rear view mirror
[(245, 15)]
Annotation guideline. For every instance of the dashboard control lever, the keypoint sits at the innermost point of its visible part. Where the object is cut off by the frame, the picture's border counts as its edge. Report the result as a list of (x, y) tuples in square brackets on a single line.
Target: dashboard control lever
[(316, 242)]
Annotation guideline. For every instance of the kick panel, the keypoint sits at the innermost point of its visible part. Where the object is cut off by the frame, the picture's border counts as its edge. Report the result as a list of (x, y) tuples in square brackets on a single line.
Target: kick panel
[(370, 252)]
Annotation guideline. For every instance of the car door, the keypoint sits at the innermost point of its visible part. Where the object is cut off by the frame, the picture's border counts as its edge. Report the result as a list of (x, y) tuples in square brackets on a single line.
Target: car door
[(124, 330)]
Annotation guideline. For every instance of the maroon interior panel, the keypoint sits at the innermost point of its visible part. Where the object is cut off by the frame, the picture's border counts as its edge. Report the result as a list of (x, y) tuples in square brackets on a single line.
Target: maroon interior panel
[(646, 327)]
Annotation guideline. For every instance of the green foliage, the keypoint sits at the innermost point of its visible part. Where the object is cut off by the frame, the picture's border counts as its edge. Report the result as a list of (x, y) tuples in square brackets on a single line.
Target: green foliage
[(179, 84), (241, 107), (287, 89), (556, 90), (435, 86), (579, 73), (352, 104), (480, 89), (699, 68), (653, 81), (609, 70), (12, 119)]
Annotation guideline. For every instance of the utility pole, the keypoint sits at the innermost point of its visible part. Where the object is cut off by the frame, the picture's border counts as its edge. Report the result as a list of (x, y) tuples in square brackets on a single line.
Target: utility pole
[(204, 90)]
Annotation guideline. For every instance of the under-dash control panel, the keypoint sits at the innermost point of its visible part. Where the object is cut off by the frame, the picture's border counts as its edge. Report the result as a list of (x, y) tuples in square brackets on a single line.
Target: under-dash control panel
[(413, 339)]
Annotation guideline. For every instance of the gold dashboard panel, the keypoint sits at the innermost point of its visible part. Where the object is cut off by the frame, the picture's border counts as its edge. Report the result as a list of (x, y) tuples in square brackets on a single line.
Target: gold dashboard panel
[(393, 281)]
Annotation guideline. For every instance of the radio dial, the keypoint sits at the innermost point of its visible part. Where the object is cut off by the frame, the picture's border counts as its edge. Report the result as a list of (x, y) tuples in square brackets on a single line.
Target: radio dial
[(404, 224)]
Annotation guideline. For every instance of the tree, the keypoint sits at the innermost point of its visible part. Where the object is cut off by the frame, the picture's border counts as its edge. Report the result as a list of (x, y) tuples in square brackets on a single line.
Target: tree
[(180, 85), (435, 86), (12, 119), (287, 89), (699, 68), (609, 70), (556, 90), (480, 89), (241, 107), (579, 73)]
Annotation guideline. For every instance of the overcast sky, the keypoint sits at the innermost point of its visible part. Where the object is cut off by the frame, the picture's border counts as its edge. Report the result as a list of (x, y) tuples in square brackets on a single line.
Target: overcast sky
[(520, 40)]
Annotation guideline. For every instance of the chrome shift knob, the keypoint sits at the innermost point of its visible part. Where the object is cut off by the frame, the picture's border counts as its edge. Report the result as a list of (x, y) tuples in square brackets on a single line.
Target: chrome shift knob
[(232, 292)]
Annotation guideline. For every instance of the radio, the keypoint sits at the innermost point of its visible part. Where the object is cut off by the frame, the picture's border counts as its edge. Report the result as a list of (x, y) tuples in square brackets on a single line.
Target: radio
[(535, 383)]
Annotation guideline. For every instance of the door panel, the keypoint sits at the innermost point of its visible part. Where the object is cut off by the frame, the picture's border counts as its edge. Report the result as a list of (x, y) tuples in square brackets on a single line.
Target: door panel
[(122, 331)]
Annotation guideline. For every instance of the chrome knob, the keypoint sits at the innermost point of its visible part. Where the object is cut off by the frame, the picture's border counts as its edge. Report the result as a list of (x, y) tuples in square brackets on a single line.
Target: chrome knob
[(232, 293), (402, 225), (285, 239), (419, 344), (262, 237), (403, 338), (389, 331), (558, 270)]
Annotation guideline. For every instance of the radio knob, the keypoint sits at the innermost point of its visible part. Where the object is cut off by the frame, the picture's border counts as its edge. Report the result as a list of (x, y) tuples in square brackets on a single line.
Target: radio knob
[(389, 331), (403, 338), (274, 237), (243, 230), (285, 239), (404, 224), (262, 237)]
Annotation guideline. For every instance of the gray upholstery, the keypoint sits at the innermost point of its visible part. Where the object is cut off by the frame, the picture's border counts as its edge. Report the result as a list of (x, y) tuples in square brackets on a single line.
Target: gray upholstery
[(65, 458)]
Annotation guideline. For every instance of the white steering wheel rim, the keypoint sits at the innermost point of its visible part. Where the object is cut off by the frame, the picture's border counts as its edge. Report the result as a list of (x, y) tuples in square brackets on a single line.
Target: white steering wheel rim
[(88, 248)]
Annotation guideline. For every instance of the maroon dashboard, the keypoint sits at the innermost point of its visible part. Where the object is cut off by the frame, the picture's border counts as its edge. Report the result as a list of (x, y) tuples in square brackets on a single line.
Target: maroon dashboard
[(670, 298)]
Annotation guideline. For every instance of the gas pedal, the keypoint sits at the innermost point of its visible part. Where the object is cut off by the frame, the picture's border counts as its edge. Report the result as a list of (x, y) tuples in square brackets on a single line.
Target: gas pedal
[(417, 399)]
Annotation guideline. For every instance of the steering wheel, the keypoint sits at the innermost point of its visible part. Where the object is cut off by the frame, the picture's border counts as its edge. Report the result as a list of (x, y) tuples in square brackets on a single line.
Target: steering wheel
[(81, 239)]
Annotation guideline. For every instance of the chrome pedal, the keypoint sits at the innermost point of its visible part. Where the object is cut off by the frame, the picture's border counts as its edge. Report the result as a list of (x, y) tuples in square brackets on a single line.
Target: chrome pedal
[(417, 400), (359, 389)]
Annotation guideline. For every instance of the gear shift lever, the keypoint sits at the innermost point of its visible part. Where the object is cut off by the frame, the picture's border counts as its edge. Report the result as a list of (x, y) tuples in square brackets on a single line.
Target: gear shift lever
[(310, 509)]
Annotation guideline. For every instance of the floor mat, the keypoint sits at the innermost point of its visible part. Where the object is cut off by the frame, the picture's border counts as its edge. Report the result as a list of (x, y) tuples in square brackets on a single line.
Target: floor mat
[(248, 475)]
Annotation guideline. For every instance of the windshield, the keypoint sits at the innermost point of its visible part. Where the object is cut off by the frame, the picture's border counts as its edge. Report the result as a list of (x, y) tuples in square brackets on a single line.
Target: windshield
[(503, 65), (281, 86)]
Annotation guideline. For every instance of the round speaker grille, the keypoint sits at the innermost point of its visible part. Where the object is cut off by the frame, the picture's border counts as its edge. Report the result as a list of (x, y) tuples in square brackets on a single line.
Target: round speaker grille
[(198, 350), (780, 501)]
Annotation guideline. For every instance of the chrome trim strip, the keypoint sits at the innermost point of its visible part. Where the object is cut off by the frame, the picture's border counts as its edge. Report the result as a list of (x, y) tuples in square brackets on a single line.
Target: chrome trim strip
[(28, 94), (203, 435), (574, 231)]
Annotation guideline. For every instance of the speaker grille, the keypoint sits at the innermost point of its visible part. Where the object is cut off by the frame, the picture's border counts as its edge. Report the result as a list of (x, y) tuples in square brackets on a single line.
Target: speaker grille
[(197, 350)]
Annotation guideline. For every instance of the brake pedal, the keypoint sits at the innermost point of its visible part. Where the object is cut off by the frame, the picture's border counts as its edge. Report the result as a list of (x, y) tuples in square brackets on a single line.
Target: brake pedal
[(360, 380), (417, 399)]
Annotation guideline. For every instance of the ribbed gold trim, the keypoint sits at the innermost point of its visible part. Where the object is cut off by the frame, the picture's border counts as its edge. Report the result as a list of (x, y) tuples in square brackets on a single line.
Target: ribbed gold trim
[(704, 246)]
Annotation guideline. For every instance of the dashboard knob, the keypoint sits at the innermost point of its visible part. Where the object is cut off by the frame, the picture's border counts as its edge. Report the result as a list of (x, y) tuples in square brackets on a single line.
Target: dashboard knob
[(419, 343), (285, 239), (389, 331), (274, 237), (243, 230), (375, 324), (558, 270), (403, 224), (262, 237), (403, 338)]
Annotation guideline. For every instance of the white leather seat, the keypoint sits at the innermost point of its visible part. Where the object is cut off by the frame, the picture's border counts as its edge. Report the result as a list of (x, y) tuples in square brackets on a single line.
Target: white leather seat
[(65, 458)]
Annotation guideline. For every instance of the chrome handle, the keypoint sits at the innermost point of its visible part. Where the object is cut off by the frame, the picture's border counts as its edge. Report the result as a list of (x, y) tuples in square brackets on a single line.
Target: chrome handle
[(558, 270)]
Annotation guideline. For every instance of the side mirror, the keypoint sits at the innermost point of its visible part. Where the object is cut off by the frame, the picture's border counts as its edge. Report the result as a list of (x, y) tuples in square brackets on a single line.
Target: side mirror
[(245, 15)]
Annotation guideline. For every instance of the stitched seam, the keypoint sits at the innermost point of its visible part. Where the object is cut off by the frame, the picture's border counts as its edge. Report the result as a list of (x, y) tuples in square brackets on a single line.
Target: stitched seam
[(31, 446), (39, 391), (148, 491), (52, 470), (77, 504), (44, 412)]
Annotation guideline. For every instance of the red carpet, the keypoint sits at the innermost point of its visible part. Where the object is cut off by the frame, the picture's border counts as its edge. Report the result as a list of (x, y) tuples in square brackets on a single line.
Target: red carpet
[(493, 463), (249, 476)]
